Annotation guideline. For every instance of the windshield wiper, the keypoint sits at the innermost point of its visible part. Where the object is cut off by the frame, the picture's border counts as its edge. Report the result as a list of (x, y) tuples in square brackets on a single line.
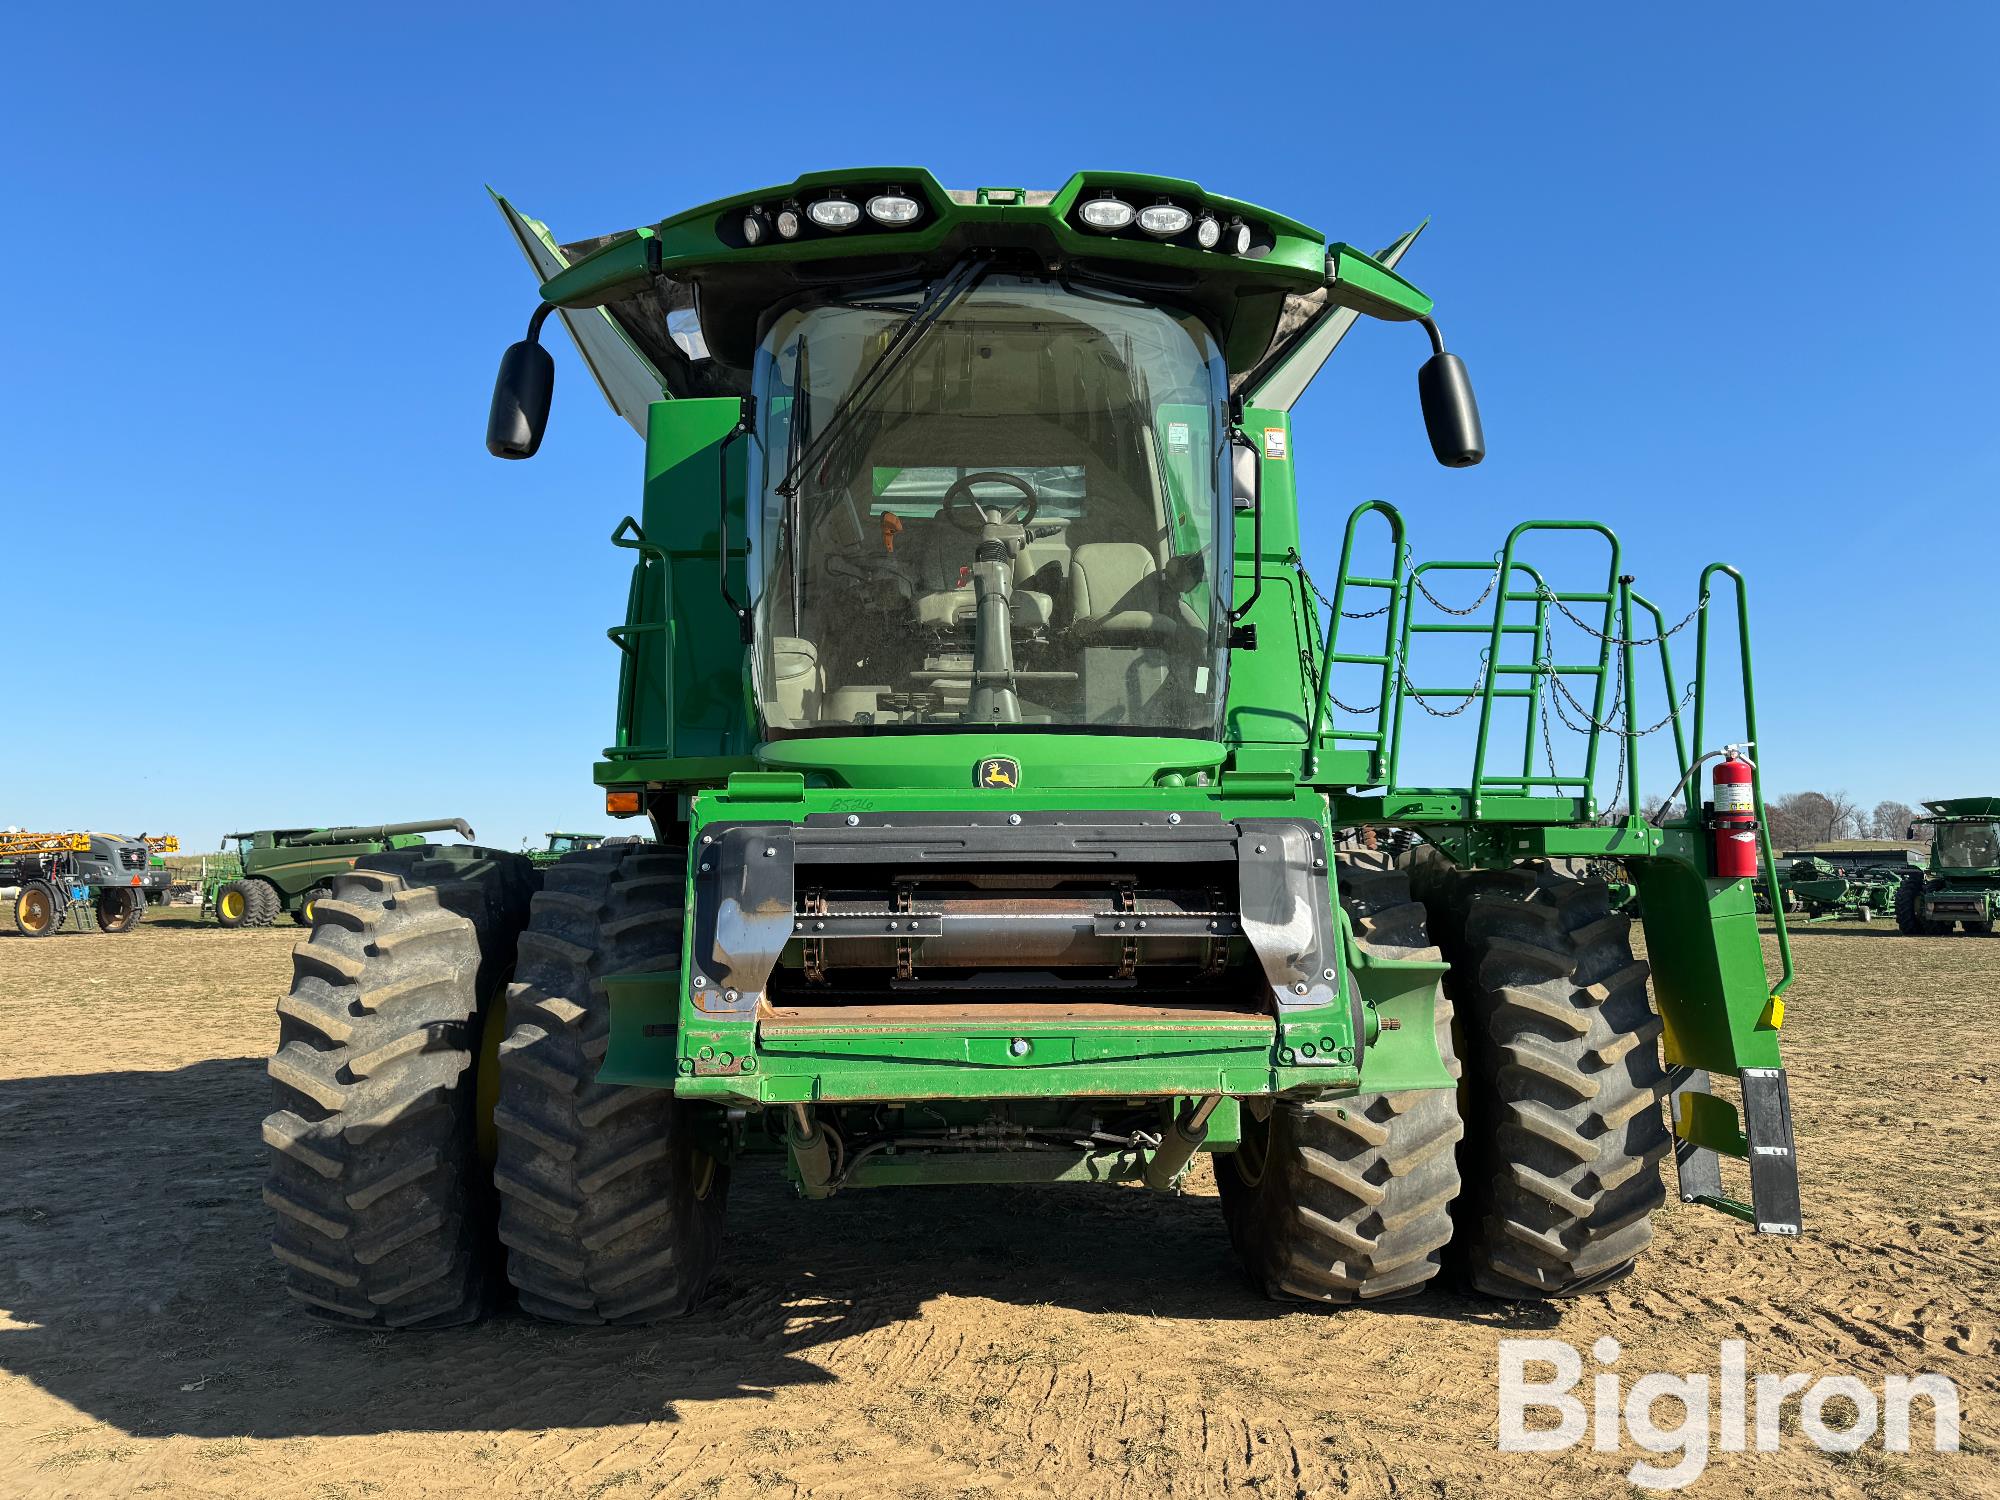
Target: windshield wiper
[(944, 296)]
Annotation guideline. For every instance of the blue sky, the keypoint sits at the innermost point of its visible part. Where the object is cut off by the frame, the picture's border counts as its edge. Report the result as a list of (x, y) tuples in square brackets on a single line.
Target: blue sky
[(1723, 276)]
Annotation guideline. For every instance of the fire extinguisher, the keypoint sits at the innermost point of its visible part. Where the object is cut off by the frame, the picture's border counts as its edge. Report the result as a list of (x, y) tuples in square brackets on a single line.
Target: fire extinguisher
[(1733, 817)]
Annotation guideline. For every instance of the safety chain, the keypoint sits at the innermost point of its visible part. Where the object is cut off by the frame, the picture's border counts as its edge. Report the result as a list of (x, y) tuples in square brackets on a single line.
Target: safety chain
[(1492, 578), (1410, 689), (1549, 596), (1299, 566), (1350, 708), (1611, 727)]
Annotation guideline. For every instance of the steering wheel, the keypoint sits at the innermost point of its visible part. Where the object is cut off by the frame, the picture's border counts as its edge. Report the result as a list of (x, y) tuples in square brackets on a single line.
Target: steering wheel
[(956, 513)]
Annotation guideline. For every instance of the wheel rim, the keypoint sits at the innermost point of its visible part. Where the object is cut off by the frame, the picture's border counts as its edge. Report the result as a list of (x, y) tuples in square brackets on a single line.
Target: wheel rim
[(231, 905), (307, 911), (33, 912)]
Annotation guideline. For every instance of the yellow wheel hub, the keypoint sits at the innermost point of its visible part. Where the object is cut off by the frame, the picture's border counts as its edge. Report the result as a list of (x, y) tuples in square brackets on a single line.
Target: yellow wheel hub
[(231, 905), (33, 912)]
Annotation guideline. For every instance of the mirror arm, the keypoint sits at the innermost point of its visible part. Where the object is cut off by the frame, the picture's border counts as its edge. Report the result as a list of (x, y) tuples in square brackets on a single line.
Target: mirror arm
[(1437, 339), (745, 625), (537, 319), (1241, 439)]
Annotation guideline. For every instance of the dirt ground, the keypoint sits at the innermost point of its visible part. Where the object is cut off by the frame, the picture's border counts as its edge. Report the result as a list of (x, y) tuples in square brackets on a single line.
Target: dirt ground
[(945, 1342)]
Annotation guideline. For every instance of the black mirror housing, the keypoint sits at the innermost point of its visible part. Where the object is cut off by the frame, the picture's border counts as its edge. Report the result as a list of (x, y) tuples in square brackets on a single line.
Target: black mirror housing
[(521, 396), (1451, 414)]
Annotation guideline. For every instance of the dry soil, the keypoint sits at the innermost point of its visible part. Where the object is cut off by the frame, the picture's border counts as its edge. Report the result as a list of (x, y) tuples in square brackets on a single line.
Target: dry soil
[(948, 1342)]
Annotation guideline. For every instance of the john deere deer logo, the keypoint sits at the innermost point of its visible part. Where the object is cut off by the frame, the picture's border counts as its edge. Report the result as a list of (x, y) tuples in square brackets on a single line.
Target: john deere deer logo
[(998, 771)]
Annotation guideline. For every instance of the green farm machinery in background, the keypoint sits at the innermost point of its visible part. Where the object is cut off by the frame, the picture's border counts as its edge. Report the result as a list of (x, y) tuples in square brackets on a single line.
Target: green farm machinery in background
[(1961, 886), (1014, 820), (287, 870), (1831, 884), (561, 845)]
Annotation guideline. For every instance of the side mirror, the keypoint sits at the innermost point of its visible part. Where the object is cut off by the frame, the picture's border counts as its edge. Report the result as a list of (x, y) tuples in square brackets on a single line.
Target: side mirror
[(521, 395), (1245, 476), (1451, 415)]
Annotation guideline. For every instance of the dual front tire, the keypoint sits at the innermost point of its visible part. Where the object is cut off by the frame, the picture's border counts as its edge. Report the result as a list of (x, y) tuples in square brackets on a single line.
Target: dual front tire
[(1536, 1177), (249, 902), (441, 1041)]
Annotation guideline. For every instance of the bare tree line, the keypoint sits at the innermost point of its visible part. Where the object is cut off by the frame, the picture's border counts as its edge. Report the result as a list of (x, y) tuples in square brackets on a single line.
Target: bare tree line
[(1801, 819)]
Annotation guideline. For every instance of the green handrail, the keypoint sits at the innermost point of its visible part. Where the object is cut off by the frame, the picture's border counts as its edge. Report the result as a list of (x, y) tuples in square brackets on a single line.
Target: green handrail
[(1604, 649), (1386, 703), (1667, 679), (1756, 757), (628, 533)]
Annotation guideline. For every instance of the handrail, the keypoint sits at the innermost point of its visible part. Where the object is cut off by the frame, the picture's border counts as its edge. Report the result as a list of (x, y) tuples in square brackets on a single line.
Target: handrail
[(630, 534), (1604, 649), (1756, 757), (1323, 699), (1667, 681)]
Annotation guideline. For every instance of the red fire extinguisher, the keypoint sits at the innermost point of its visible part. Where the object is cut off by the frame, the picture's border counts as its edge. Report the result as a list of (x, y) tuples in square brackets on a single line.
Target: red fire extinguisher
[(1733, 817)]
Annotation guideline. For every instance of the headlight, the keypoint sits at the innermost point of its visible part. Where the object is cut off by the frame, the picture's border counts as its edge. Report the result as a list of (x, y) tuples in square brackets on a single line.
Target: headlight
[(788, 222), (893, 208), (1239, 237), (1209, 234), (1106, 213), (755, 227), (1164, 220), (834, 213)]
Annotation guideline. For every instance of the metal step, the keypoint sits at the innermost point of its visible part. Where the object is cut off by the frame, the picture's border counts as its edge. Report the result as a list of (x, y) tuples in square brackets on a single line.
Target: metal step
[(1705, 1130)]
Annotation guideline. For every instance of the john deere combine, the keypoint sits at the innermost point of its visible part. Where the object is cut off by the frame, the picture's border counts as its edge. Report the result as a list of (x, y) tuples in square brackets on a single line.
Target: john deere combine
[(287, 870), (997, 761), (1962, 884), (561, 845)]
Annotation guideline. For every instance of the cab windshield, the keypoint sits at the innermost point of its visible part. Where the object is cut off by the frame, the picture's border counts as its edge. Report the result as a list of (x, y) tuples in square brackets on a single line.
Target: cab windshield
[(1017, 528), (1967, 846)]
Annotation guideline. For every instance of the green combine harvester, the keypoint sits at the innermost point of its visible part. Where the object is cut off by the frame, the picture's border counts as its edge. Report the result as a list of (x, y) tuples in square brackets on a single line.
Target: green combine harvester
[(1009, 821), (561, 845), (1962, 884), (287, 870)]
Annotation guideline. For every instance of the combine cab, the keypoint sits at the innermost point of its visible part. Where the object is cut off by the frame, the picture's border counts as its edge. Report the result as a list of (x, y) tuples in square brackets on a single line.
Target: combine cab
[(1022, 815)]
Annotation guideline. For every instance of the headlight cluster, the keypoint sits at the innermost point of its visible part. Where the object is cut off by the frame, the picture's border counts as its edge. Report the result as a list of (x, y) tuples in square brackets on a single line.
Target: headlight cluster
[(1165, 220), (834, 212)]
